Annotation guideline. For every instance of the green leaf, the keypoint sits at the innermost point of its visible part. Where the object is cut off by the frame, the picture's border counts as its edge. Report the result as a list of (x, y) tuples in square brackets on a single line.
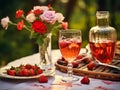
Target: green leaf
[(31, 34), (40, 41)]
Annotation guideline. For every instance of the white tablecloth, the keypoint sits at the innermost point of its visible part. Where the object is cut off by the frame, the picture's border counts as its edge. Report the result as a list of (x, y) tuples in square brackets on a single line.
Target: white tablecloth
[(54, 82)]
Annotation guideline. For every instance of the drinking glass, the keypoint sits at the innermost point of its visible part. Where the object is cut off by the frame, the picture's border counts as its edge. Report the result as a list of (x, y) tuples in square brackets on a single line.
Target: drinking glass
[(70, 44)]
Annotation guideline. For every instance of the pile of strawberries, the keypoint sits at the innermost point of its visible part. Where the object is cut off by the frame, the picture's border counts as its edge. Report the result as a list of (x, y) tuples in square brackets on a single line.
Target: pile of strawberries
[(64, 62), (24, 70), (30, 70), (90, 64)]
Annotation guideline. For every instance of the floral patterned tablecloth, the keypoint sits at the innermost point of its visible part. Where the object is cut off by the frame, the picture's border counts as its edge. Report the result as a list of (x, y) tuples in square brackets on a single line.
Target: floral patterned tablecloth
[(54, 81)]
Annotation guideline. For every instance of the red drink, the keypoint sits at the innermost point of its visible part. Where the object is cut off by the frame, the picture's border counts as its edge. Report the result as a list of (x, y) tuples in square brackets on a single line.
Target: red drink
[(103, 51), (69, 48), (70, 42)]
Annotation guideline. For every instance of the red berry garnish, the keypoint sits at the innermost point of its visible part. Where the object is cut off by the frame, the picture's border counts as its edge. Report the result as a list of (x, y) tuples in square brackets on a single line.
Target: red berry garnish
[(85, 80), (91, 65), (43, 79)]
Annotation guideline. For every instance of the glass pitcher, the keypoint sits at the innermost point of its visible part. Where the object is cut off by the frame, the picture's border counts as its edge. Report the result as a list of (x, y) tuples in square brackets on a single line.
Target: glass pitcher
[(102, 38)]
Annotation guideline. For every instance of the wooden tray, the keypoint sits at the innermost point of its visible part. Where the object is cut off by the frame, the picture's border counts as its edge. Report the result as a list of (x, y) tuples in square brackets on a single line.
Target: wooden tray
[(100, 72)]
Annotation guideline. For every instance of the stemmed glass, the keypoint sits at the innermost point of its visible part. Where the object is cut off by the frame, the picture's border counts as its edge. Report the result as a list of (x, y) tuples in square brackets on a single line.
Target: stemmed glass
[(70, 44)]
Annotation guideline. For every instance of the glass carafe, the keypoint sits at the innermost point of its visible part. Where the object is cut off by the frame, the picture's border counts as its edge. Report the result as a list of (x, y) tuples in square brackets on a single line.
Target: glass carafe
[(102, 38)]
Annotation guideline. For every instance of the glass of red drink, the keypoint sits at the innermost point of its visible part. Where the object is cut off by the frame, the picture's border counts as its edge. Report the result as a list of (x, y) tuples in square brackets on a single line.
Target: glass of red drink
[(70, 44)]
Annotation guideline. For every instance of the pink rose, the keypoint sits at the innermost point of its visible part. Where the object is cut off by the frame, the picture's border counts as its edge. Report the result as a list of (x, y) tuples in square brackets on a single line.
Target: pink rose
[(31, 17), (43, 8), (5, 22), (59, 17), (49, 17)]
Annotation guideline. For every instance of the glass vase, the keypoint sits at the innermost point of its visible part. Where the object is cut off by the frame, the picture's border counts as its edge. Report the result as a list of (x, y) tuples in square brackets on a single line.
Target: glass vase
[(45, 54)]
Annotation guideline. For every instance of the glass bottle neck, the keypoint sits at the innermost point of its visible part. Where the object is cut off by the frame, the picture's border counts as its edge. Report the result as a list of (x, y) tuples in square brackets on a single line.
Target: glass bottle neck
[(103, 22)]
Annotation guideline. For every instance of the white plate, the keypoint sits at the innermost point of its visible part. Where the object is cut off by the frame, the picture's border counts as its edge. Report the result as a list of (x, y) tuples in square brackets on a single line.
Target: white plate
[(3, 74)]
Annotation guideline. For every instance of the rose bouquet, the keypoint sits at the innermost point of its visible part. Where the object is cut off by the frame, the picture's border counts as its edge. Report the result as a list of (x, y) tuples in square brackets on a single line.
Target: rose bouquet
[(40, 22)]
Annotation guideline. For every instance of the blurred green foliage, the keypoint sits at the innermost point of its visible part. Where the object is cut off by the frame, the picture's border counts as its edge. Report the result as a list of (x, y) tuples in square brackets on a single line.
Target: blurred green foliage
[(80, 14)]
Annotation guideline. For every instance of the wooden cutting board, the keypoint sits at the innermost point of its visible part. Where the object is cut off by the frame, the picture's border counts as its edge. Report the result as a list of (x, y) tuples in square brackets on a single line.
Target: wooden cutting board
[(99, 72)]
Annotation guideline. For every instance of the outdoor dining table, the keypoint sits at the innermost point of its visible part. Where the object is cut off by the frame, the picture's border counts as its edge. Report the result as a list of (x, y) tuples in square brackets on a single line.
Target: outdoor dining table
[(54, 80)]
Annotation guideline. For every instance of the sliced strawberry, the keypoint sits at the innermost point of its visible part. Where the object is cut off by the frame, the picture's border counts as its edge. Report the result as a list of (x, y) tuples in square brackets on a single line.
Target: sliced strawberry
[(43, 79), (85, 80), (25, 72), (11, 72), (39, 71), (91, 65)]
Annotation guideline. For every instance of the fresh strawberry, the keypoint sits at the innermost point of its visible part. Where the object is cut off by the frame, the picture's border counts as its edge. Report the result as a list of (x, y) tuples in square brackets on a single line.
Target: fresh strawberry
[(75, 64), (62, 58), (23, 67), (20, 73), (39, 71), (28, 66), (25, 72), (43, 79), (91, 65), (62, 61), (11, 72), (85, 80), (12, 68), (31, 72), (34, 67)]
